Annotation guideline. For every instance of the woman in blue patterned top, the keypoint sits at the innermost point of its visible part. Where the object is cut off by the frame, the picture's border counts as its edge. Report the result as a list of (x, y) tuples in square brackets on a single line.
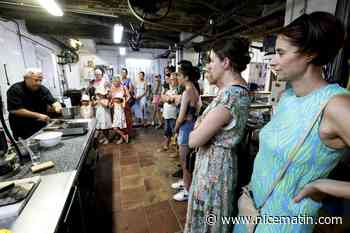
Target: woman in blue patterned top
[(217, 133), (302, 48)]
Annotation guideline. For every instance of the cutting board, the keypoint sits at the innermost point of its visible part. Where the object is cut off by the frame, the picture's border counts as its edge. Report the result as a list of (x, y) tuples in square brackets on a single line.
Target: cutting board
[(9, 206)]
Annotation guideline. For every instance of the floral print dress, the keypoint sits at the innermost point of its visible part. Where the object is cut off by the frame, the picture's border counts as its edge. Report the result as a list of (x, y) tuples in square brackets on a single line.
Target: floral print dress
[(215, 174)]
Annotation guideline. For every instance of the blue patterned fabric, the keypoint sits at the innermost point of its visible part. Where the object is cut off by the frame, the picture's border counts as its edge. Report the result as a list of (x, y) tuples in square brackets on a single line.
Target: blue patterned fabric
[(314, 160), (215, 174)]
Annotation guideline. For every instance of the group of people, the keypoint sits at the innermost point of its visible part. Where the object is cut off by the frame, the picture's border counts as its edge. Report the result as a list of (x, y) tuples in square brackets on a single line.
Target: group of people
[(298, 148), (109, 102), (289, 169), (120, 104)]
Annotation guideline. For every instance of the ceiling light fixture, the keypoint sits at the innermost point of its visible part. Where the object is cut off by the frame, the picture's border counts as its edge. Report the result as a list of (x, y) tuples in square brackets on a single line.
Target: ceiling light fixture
[(118, 33), (51, 6), (122, 51)]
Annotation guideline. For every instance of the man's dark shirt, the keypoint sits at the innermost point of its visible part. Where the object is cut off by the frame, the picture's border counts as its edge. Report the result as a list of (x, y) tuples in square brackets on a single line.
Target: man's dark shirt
[(19, 96)]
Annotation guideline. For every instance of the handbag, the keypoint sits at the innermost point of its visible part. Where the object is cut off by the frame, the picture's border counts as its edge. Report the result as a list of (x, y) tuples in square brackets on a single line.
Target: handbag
[(246, 204)]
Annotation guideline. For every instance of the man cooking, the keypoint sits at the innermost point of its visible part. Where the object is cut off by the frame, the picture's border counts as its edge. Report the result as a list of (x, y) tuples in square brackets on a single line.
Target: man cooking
[(28, 103)]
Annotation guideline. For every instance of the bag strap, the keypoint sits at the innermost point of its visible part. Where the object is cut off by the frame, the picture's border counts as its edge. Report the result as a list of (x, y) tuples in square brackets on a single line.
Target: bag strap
[(293, 154)]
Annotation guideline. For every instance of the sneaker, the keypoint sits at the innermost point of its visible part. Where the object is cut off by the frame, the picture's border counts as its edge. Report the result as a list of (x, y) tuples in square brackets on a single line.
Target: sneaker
[(105, 141), (120, 141), (163, 149), (173, 155), (178, 185), (181, 196)]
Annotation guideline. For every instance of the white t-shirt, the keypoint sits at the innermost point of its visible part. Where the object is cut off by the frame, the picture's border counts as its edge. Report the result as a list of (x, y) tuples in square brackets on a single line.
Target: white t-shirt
[(140, 88), (170, 110)]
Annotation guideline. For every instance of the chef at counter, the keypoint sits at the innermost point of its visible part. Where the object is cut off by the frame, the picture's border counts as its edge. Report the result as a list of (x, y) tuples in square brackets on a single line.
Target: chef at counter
[(28, 103)]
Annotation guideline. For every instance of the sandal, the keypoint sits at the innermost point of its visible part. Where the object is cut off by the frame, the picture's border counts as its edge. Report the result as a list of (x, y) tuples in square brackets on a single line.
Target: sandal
[(126, 138), (120, 141), (163, 149)]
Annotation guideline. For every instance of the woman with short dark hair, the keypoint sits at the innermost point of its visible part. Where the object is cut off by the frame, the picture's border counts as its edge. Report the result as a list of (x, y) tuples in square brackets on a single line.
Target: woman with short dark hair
[(302, 48)]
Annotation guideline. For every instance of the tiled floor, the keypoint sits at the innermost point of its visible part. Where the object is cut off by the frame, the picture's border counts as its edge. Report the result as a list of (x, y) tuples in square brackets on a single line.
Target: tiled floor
[(133, 193), (133, 187)]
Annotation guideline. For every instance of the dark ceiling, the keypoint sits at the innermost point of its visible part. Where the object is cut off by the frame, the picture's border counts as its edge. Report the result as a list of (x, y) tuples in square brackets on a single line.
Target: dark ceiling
[(94, 19)]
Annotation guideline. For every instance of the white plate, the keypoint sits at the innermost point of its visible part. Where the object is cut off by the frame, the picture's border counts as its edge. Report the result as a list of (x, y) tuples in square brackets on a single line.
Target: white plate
[(48, 139), (48, 135)]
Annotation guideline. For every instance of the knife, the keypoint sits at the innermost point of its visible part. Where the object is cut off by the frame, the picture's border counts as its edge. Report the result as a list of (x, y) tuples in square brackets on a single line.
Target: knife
[(7, 187)]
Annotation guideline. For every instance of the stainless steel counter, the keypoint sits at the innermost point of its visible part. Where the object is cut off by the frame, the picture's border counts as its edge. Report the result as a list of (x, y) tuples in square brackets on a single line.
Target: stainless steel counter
[(68, 155), (43, 211)]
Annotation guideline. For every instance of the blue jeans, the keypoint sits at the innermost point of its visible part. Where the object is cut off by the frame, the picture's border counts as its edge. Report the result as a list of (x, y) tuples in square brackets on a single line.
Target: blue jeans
[(184, 132), (169, 127)]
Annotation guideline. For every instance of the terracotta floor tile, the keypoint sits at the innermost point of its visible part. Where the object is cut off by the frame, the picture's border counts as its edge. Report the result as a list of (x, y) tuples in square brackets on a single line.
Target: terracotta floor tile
[(146, 162), (129, 170), (116, 169), (116, 185), (128, 160), (161, 218), (133, 198), (127, 154), (156, 196), (146, 155), (180, 209), (128, 182), (152, 183), (160, 206), (136, 186), (116, 202), (130, 205), (150, 171), (131, 221)]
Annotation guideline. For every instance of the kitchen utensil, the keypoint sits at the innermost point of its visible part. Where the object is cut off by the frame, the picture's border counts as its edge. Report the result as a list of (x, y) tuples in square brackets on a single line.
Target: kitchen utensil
[(74, 131), (3, 143), (42, 166), (33, 157), (7, 186), (49, 139)]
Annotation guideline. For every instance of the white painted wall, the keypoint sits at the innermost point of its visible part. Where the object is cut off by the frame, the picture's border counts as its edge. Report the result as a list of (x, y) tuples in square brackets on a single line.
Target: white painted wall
[(109, 56), (35, 52), (295, 8)]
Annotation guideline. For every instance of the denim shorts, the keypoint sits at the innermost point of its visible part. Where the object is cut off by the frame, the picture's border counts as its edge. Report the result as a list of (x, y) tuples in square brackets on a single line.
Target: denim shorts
[(184, 132), (169, 127)]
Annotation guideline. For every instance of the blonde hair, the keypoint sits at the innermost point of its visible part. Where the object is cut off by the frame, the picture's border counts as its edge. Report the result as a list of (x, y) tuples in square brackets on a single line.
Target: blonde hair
[(116, 78)]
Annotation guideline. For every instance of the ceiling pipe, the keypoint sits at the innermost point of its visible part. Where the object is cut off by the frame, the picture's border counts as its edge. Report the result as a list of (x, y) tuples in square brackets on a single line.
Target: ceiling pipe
[(249, 25), (226, 17), (254, 22)]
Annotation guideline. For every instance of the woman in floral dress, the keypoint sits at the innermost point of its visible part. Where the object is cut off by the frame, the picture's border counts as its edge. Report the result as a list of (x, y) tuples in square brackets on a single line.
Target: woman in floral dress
[(217, 132)]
